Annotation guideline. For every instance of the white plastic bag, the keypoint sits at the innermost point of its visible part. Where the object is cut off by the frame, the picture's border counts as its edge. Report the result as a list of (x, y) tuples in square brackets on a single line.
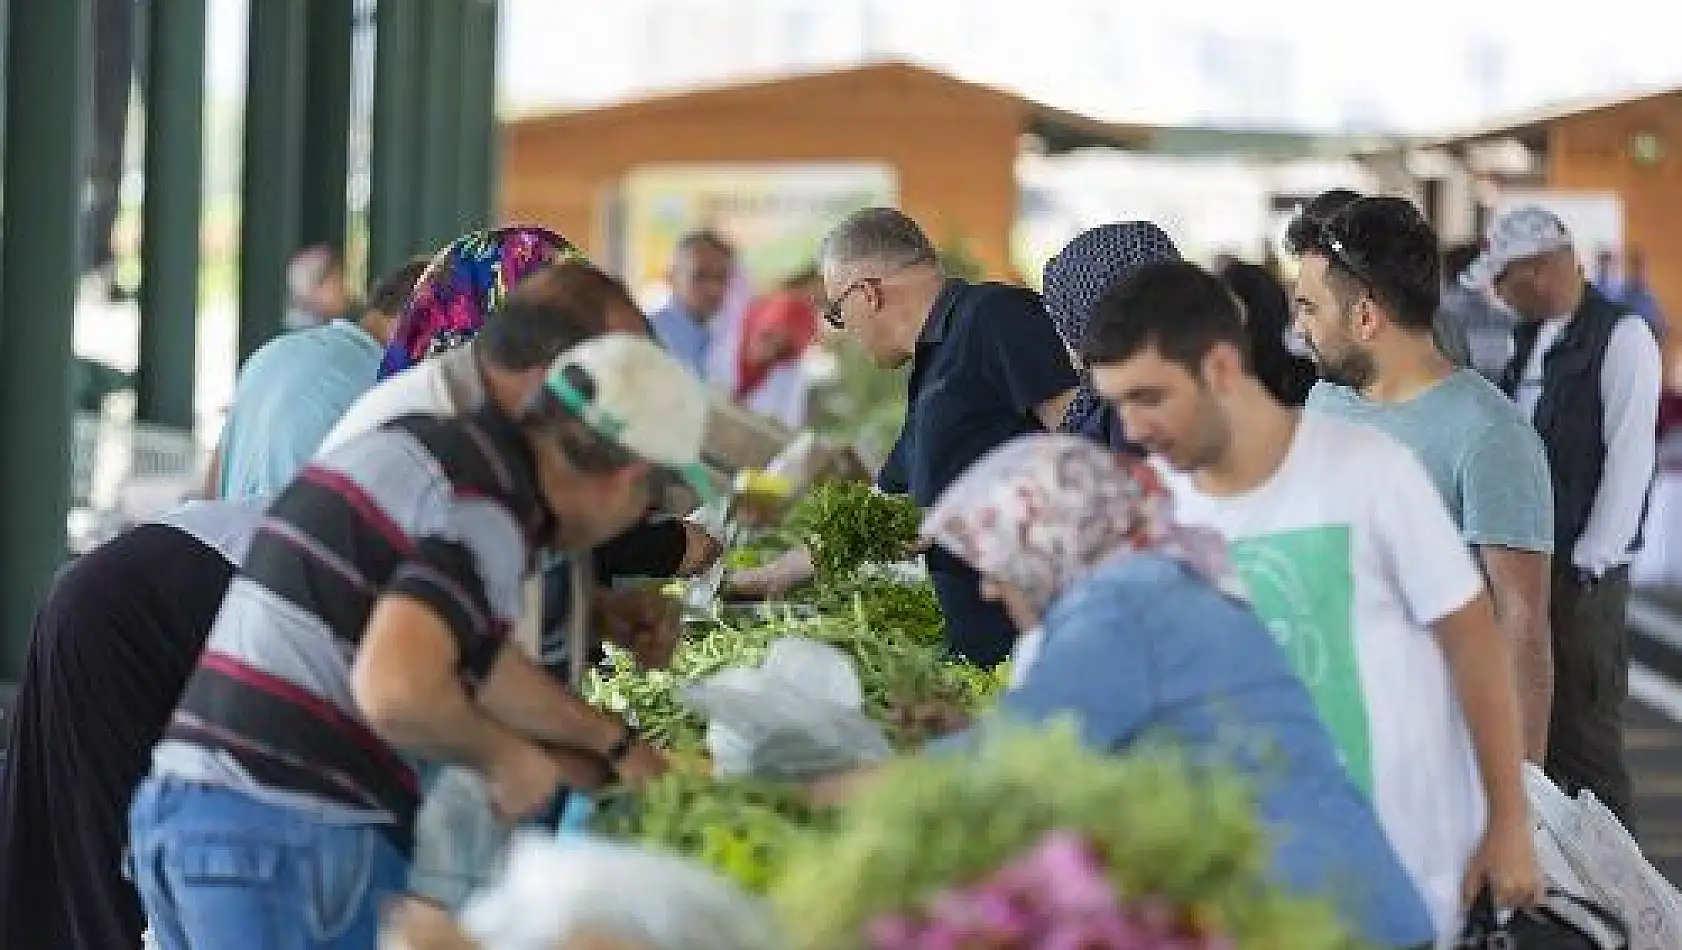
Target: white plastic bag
[(1605, 864), (799, 715), (551, 894)]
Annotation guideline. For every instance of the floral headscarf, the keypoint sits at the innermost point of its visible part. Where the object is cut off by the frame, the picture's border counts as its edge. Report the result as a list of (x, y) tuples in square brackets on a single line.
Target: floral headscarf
[(1044, 511), (468, 280), (1079, 275)]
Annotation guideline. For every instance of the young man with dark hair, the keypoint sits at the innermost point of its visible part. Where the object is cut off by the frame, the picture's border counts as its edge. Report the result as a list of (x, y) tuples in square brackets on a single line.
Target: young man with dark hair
[(366, 636), (1347, 552), (1366, 293), (1303, 234)]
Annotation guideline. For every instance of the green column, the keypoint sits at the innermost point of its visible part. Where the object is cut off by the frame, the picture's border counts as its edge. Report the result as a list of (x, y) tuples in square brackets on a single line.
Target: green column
[(393, 204), (477, 167), (48, 62), (169, 237), (270, 195), (440, 152), (326, 159)]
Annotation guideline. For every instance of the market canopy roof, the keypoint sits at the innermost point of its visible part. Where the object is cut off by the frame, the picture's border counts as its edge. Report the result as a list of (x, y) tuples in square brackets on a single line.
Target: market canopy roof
[(1050, 129)]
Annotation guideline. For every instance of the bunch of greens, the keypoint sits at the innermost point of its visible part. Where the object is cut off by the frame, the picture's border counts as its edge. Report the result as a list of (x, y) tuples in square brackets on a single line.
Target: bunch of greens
[(895, 672), (846, 525), (887, 606), (1164, 831), (741, 828)]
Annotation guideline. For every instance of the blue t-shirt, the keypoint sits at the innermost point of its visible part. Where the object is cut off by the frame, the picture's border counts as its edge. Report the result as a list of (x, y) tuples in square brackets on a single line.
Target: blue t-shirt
[(1486, 461), (683, 336), (988, 357), (1145, 651), (289, 395)]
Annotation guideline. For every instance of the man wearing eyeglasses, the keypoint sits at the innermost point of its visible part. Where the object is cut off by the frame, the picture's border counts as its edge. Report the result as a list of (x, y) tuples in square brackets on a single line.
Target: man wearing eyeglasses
[(1369, 284), (1587, 372), (986, 366)]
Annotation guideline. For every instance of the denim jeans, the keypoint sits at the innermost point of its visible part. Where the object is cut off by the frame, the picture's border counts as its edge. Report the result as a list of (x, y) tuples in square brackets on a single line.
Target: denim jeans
[(216, 868)]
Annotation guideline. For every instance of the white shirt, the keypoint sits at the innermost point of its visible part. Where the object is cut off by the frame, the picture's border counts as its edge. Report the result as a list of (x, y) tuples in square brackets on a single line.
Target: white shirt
[(420, 389), (1349, 556), (1630, 382)]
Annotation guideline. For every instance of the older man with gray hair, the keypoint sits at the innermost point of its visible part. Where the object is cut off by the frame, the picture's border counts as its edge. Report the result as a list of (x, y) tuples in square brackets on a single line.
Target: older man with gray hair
[(986, 366)]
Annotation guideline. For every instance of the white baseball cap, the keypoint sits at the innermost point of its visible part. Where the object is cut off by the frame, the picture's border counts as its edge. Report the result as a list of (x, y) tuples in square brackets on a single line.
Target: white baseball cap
[(630, 391), (1522, 233)]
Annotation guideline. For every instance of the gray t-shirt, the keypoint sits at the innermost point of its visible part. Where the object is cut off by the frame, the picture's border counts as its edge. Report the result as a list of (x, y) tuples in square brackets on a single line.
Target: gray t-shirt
[(1487, 462)]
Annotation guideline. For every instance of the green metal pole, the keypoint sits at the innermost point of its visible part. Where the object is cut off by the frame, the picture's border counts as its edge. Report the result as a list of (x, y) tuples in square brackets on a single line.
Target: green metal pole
[(169, 237), (271, 190), (476, 168), (327, 85), (49, 61), (393, 208), (441, 132)]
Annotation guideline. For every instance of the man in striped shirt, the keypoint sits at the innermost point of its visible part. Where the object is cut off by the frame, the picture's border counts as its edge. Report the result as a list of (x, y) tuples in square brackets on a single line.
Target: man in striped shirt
[(366, 635)]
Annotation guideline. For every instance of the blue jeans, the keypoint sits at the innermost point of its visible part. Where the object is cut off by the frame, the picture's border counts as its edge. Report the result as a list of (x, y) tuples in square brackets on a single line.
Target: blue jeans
[(216, 868)]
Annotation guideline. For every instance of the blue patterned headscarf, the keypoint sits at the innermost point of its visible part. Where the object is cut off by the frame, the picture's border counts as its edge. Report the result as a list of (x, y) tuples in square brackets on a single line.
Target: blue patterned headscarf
[(1079, 276), (468, 279)]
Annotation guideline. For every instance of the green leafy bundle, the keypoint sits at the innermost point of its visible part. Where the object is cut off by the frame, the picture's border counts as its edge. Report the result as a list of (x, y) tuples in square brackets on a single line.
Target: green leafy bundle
[(887, 606), (932, 823), (894, 670), (846, 525), (741, 828)]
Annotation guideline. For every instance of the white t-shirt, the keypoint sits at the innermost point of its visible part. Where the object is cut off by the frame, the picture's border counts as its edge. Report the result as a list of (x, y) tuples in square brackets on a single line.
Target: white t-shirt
[(1349, 556), (418, 390)]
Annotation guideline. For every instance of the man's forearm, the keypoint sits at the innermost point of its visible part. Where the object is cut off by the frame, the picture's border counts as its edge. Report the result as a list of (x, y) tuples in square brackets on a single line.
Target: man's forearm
[(1534, 667), (1480, 661), (528, 700)]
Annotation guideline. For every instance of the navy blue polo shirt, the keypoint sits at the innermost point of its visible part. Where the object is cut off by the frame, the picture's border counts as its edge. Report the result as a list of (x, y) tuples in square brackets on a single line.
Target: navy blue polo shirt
[(988, 356)]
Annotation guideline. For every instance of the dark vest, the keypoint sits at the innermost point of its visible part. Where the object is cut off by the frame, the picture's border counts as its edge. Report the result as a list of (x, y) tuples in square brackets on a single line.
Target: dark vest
[(1570, 414)]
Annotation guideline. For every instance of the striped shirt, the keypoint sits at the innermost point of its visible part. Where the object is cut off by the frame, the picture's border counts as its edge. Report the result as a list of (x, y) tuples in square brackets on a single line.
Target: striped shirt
[(443, 510)]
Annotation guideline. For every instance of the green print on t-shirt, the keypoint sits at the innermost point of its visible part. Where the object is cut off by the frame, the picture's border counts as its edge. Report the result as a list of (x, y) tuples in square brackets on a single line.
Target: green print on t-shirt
[(1302, 584)]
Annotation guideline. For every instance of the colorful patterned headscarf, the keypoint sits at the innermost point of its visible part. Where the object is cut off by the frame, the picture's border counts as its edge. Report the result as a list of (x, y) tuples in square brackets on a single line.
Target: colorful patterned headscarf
[(465, 282), (1079, 275), (1044, 511)]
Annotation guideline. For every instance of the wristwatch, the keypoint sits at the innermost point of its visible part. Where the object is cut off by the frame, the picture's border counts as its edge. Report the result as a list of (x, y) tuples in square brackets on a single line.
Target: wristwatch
[(617, 752)]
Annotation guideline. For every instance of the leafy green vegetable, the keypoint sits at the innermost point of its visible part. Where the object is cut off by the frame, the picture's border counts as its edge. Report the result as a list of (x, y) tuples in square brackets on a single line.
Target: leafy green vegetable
[(742, 828), (931, 823), (887, 606), (846, 525), (894, 670)]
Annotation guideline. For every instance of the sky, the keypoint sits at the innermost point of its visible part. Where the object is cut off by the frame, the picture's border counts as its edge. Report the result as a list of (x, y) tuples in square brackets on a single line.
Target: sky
[(1419, 66)]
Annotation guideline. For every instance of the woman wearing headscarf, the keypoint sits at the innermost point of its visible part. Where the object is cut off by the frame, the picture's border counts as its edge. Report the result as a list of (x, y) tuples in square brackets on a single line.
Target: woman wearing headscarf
[(1074, 281), (1126, 625), (1267, 317), (776, 332), (114, 639)]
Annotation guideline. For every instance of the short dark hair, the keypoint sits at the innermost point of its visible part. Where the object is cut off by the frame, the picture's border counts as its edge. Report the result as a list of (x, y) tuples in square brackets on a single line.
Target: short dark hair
[(1178, 309), (1458, 259), (1387, 246), (706, 237), (555, 308), (391, 294), (1303, 233)]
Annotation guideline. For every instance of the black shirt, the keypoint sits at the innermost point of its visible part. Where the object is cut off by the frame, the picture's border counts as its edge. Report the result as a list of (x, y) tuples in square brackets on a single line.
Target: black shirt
[(988, 357)]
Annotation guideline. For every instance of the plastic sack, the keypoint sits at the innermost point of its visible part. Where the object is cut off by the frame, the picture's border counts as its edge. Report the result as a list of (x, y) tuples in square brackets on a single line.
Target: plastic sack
[(799, 715), (459, 842), (1608, 864), (552, 894)]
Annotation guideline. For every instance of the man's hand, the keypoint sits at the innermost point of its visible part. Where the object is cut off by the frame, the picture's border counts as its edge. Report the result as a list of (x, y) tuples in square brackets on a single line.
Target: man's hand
[(773, 580), (641, 764), (642, 621), (700, 550), (524, 777), (1506, 859)]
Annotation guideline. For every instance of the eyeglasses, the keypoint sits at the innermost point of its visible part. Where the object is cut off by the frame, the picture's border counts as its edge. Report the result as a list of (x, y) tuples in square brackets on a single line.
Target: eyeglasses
[(832, 313)]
